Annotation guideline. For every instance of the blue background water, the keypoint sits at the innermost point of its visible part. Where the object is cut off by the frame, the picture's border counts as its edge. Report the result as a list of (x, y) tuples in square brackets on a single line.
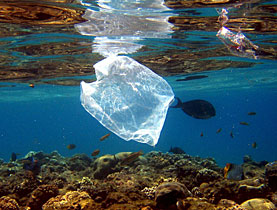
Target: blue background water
[(49, 117)]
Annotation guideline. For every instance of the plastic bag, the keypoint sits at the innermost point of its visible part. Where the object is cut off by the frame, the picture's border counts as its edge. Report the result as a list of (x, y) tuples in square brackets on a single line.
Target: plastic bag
[(128, 99), (237, 43)]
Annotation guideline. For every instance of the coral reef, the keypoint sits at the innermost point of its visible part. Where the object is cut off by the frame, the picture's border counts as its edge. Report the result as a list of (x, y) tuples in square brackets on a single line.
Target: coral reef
[(104, 165), (167, 194), (196, 203), (8, 203), (40, 195), (154, 181), (71, 200), (258, 204), (271, 175)]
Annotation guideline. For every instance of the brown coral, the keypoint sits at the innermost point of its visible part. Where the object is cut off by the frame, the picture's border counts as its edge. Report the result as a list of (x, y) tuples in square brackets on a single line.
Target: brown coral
[(134, 186), (72, 200), (258, 204), (271, 175), (167, 194), (7, 203), (40, 195), (104, 166)]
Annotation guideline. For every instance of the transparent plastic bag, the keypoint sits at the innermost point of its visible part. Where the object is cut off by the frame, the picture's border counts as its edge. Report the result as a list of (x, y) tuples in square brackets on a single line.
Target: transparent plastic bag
[(128, 99), (237, 43)]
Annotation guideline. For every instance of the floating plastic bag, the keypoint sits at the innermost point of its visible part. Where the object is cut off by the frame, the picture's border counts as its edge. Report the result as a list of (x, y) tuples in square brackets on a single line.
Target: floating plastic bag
[(237, 43), (128, 99)]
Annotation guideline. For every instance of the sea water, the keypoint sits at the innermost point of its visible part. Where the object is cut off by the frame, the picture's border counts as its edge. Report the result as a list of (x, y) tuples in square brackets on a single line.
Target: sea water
[(49, 117)]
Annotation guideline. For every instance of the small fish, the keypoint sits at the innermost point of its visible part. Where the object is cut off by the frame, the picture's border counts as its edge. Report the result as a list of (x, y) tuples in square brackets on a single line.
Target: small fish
[(192, 78), (176, 150), (32, 85), (71, 146), (254, 145), (131, 158), (105, 136), (95, 152), (231, 134), (13, 156), (218, 130), (226, 169), (251, 113), (31, 164), (199, 109), (201, 134), (244, 123), (233, 172)]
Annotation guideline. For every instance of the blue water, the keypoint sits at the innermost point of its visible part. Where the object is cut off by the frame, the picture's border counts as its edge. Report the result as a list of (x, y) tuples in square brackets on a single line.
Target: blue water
[(49, 117), (56, 119)]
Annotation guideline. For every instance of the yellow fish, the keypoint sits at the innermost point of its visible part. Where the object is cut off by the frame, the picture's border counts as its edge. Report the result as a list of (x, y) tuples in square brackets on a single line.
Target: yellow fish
[(226, 169)]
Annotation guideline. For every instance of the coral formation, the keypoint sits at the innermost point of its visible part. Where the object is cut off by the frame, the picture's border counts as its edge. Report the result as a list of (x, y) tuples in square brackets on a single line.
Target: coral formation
[(104, 165), (71, 200), (8, 203), (154, 181), (271, 175), (258, 204), (40, 195), (167, 194)]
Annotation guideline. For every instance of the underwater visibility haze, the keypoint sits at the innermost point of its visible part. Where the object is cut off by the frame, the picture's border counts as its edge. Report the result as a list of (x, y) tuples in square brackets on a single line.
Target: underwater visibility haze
[(218, 57)]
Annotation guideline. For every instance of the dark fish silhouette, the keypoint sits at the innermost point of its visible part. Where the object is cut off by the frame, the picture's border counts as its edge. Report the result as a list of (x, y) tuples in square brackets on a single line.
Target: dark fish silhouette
[(192, 78), (13, 156), (95, 152), (31, 164), (244, 123), (176, 150), (199, 109), (219, 130), (231, 134)]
